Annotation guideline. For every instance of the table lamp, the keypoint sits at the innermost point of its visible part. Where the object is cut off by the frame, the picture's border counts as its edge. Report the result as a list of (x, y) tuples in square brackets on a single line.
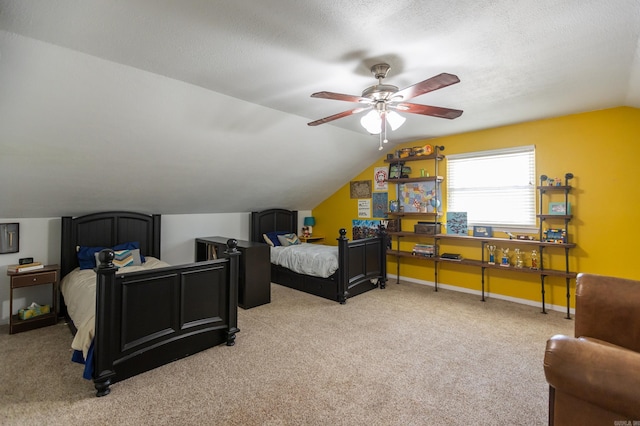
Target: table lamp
[(310, 222)]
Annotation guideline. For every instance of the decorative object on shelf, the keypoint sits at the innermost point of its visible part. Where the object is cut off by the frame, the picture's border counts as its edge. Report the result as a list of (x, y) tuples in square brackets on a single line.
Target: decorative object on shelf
[(505, 257), (395, 170), (393, 206), (492, 254), (482, 231), (405, 172), (309, 222), (9, 238), (560, 208), (525, 237), (534, 259), (457, 223), (392, 225), (519, 258), (510, 235), (427, 228), (558, 236)]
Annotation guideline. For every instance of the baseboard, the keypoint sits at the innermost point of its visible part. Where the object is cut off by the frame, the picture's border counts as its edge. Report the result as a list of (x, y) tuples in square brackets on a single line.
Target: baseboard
[(559, 308)]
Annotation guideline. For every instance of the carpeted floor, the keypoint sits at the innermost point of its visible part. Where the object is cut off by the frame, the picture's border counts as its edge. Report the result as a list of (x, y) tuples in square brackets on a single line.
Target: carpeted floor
[(405, 355)]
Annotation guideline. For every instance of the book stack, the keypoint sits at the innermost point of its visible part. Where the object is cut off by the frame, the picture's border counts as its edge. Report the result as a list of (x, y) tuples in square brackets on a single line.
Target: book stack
[(25, 267), (426, 250)]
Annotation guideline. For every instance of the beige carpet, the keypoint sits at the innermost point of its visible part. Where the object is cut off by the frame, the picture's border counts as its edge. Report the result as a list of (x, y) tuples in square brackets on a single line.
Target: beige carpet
[(405, 355)]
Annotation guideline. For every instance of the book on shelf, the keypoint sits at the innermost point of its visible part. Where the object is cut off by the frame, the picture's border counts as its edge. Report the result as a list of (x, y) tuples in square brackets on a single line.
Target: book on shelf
[(25, 267)]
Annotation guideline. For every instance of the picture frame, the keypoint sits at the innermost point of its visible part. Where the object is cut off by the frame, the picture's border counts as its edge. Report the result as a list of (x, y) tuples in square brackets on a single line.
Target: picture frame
[(360, 189), (395, 171), (482, 231), (9, 238), (561, 209)]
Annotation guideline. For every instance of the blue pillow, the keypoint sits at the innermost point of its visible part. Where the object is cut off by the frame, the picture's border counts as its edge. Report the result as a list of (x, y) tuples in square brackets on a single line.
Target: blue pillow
[(87, 255), (273, 236)]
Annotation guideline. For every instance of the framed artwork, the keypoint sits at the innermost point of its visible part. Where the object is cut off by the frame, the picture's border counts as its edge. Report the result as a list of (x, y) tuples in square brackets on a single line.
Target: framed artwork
[(560, 208), (419, 197), (395, 170), (364, 228), (9, 238), (380, 203), (457, 223), (361, 189)]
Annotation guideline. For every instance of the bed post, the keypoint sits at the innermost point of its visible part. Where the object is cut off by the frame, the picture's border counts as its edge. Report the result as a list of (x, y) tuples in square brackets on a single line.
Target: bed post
[(384, 237), (343, 267), (234, 262), (105, 292)]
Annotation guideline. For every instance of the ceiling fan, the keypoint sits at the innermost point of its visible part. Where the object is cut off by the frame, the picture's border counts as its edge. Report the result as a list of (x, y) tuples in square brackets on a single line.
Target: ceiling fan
[(383, 100)]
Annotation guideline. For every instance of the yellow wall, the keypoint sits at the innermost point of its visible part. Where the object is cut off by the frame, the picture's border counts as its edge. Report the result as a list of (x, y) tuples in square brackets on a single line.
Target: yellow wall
[(600, 148)]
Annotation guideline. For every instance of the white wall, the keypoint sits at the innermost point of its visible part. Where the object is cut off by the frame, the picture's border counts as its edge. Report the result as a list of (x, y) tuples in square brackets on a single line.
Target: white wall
[(40, 239)]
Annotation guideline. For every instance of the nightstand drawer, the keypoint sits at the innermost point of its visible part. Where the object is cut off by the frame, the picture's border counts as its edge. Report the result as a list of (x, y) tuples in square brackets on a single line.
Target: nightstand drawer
[(34, 279)]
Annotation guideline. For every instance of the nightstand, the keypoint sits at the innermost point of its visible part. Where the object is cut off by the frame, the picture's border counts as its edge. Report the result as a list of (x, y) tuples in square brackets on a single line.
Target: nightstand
[(49, 275), (312, 239)]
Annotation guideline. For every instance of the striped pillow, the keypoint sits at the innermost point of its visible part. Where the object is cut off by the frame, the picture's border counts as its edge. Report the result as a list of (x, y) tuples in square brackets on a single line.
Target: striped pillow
[(288, 240)]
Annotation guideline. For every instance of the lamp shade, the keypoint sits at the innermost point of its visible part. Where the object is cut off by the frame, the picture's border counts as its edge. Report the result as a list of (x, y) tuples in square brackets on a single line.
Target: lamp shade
[(309, 221)]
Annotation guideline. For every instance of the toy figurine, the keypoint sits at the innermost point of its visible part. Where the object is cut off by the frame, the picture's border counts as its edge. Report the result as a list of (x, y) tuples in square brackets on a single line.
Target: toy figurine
[(534, 259), (519, 259)]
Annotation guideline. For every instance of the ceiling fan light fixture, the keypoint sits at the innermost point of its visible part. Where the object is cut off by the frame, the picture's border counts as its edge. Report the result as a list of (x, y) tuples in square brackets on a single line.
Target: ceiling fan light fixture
[(395, 120), (372, 122)]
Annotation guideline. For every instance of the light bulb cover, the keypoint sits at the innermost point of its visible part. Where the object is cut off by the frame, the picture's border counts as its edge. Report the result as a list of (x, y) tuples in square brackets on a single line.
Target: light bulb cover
[(372, 122)]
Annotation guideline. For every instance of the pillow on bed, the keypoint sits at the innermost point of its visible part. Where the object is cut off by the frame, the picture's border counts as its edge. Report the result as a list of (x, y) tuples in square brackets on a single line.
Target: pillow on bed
[(87, 255), (271, 238), (124, 258), (288, 239)]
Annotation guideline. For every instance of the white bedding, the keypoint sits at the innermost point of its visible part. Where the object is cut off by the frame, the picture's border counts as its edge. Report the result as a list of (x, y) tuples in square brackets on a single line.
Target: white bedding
[(79, 291), (308, 259)]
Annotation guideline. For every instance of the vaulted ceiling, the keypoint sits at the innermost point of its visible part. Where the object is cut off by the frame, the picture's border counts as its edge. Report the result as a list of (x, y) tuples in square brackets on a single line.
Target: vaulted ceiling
[(199, 106)]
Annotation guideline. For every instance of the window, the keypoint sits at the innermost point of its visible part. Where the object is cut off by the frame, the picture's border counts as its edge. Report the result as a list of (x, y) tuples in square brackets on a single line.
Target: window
[(495, 188)]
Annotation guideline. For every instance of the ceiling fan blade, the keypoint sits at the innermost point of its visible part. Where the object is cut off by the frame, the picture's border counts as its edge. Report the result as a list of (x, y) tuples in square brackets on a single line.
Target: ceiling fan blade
[(337, 116), (340, 97), (429, 85), (427, 110)]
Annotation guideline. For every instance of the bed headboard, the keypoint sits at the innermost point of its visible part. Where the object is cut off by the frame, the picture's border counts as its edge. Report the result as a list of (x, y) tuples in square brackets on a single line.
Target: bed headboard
[(272, 220), (107, 230)]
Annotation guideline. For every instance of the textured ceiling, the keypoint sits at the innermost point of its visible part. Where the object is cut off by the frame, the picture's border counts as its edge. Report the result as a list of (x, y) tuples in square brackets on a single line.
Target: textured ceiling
[(199, 106)]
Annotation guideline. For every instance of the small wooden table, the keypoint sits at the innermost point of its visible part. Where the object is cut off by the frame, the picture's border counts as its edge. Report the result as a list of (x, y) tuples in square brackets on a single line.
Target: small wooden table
[(50, 274), (312, 239)]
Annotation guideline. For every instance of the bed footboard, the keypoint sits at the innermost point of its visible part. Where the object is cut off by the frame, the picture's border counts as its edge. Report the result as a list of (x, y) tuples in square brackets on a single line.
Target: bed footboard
[(360, 262), (150, 318)]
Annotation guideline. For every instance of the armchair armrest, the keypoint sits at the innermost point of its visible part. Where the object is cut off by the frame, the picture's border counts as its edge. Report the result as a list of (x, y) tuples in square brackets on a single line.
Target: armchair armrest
[(607, 309), (600, 373)]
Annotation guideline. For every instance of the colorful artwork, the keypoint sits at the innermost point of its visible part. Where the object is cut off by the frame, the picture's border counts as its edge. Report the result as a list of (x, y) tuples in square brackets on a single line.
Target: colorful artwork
[(457, 223), (380, 200), (364, 228), (420, 197)]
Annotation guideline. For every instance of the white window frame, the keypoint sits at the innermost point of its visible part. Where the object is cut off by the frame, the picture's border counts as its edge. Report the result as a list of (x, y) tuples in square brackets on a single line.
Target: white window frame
[(504, 176)]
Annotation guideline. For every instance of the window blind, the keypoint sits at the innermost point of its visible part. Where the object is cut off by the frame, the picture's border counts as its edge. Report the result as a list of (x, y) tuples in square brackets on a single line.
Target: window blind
[(495, 188)]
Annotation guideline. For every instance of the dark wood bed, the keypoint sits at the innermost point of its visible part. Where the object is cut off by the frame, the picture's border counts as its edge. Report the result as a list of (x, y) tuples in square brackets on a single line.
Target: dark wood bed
[(362, 264), (149, 318)]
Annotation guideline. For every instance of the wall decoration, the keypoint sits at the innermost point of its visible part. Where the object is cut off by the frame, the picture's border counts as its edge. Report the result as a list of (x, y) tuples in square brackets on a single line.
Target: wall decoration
[(380, 176), (419, 197), (560, 208), (395, 170), (361, 189), (364, 228), (380, 200), (364, 208), (9, 238), (457, 223)]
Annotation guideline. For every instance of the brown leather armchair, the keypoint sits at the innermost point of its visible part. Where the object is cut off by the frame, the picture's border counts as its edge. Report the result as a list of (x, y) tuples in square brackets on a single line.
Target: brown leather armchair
[(594, 377)]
